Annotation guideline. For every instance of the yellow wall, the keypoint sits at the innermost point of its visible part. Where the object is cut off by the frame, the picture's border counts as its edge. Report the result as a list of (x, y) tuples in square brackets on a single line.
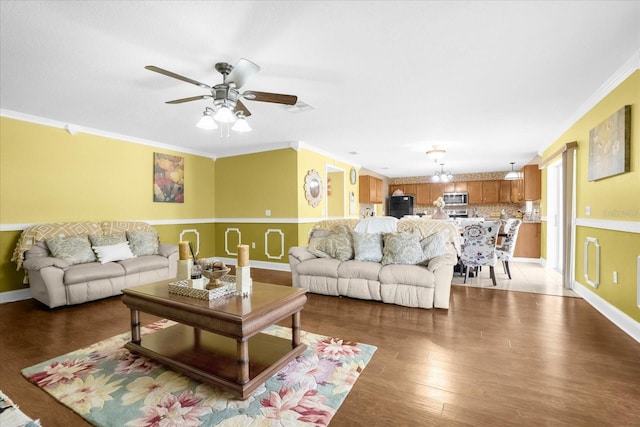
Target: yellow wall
[(612, 199), (48, 175)]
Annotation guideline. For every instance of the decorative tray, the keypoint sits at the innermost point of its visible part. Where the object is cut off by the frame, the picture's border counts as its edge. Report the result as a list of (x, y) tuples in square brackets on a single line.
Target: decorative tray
[(183, 287)]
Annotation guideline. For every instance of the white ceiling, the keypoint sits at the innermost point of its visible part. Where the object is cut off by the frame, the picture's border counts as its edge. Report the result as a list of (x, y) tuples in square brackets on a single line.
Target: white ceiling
[(490, 82)]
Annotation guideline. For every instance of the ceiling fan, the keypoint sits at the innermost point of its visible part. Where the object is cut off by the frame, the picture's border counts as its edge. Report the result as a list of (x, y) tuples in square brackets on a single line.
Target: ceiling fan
[(227, 106)]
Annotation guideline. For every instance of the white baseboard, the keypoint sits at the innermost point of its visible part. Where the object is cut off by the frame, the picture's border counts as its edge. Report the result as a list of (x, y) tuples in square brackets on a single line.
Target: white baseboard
[(532, 260), (620, 319), (12, 296)]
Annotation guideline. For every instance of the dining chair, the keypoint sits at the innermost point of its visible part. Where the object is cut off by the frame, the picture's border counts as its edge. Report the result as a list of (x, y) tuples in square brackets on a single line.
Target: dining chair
[(479, 247), (504, 250)]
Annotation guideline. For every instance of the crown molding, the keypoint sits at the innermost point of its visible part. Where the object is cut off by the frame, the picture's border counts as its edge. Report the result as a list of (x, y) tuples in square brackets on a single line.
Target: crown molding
[(73, 129)]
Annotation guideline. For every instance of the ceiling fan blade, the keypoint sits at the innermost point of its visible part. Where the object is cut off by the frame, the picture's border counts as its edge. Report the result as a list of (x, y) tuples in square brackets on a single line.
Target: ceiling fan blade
[(193, 98), (276, 98), (241, 72), (176, 76), (240, 106)]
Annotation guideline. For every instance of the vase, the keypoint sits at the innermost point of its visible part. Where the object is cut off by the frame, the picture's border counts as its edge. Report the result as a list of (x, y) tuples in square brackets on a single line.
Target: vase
[(440, 214)]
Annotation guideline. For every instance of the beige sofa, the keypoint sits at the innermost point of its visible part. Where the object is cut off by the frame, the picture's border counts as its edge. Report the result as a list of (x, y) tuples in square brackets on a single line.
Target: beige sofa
[(64, 280), (412, 285)]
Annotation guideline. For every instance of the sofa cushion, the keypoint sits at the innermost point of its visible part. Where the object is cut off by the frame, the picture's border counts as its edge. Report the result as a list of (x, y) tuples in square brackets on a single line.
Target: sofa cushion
[(401, 248), (72, 249), (116, 252), (367, 246), (327, 267), (143, 242), (359, 270), (107, 239), (80, 273), (144, 263), (413, 275)]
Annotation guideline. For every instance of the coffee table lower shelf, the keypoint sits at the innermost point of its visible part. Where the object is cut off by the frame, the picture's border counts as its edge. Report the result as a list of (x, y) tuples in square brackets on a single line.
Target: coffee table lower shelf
[(212, 358)]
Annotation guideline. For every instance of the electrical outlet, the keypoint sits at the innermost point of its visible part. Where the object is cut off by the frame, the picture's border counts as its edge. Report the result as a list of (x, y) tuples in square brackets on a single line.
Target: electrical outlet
[(588, 210), (267, 212), (615, 277), (253, 245)]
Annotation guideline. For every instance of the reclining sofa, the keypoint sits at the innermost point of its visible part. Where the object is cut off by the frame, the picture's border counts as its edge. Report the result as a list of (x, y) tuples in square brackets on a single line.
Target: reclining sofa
[(408, 262), (72, 263)]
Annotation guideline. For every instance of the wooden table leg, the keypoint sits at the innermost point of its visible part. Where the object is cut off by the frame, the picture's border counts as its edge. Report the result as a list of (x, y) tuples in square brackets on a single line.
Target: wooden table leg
[(243, 361), (135, 326), (295, 329)]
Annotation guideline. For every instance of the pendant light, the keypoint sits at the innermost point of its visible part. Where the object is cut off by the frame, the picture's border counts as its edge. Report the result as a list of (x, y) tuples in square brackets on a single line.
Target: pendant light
[(512, 175)]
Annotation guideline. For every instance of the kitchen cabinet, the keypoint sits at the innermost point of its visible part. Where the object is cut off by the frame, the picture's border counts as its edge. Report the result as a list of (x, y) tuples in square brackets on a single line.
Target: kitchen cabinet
[(410, 189), (529, 186), (423, 194), (394, 187), (437, 188), (483, 192), (505, 191), (370, 189), (460, 186), (528, 241)]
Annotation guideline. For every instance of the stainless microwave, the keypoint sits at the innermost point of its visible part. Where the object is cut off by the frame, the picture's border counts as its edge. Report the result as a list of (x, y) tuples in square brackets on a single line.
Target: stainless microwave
[(456, 199)]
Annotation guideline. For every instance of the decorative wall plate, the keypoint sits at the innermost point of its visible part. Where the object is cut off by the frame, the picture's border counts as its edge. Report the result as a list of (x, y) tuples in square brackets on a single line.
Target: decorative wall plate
[(313, 187), (353, 176)]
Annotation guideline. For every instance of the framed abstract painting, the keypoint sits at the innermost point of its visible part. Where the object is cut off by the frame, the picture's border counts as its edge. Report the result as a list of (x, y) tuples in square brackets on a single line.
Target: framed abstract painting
[(610, 146), (168, 178)]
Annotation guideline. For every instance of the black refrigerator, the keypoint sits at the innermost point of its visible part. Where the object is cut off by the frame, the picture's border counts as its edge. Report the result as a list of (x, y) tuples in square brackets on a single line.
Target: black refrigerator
[(400, 206)]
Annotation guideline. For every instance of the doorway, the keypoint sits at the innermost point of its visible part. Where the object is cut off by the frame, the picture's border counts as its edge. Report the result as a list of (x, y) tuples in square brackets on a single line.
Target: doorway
[(335, 192)]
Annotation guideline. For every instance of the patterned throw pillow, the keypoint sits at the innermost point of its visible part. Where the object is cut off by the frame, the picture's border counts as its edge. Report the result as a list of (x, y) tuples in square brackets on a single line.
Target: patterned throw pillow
[(107, 239), (72, 249), (336, 245), (433, 246), (367, 246), (401, 248), (143, 242)]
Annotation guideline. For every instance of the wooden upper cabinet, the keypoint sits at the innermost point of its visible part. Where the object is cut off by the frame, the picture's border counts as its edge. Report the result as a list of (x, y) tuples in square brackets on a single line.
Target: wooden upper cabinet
[(460, 186), (449, 187), (532, 185), (394, 187), (437, 188), (474, 188), (505, 191), (423, 194), (410, 189), (370, 189), (490, 191)]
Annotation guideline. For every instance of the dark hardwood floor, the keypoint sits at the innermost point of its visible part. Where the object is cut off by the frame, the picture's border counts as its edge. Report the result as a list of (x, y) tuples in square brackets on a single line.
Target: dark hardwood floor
[(495, 358)]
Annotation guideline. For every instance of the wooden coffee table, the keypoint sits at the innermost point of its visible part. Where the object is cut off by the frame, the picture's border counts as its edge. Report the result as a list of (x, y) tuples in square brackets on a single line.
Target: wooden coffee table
[(219, 341)]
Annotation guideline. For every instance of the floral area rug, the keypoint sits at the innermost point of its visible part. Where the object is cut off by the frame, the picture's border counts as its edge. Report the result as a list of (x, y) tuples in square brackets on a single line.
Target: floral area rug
[(109, 386)]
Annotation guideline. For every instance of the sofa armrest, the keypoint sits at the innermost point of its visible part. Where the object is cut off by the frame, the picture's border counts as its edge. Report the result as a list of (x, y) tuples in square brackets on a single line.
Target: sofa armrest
[(38, 263), (300, 253), (166, 250), (449, 258)]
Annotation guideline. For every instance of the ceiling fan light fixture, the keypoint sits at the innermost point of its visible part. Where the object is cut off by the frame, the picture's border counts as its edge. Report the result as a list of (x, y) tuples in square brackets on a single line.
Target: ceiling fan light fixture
[(512, 175), (224, 115), (206, 121), (436, 154), (241, 125)]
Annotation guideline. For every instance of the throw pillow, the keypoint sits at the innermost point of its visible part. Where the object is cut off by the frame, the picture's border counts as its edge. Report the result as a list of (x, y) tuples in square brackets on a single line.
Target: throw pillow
[(401, 248), (143, 242), (367, 246), (336, 245), (433, 246), (116, 252), (72, 249), (107, 239)]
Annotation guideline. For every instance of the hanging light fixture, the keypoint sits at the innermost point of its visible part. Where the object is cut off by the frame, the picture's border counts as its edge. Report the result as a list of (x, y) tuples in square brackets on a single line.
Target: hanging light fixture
[(224, 114), (512, 175), (442, 175), (436, 154), (206, 121), (241, 125)]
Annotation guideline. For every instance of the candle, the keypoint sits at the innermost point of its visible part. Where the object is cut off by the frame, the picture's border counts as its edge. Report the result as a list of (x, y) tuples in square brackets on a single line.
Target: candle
[(184, 251), (243, 255)]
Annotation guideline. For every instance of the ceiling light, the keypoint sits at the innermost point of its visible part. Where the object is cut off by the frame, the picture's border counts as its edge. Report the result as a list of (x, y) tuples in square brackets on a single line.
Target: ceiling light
[(442, 175), (512, 175), (224, 115), (206, 121), (436, 154), (241, 125)]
